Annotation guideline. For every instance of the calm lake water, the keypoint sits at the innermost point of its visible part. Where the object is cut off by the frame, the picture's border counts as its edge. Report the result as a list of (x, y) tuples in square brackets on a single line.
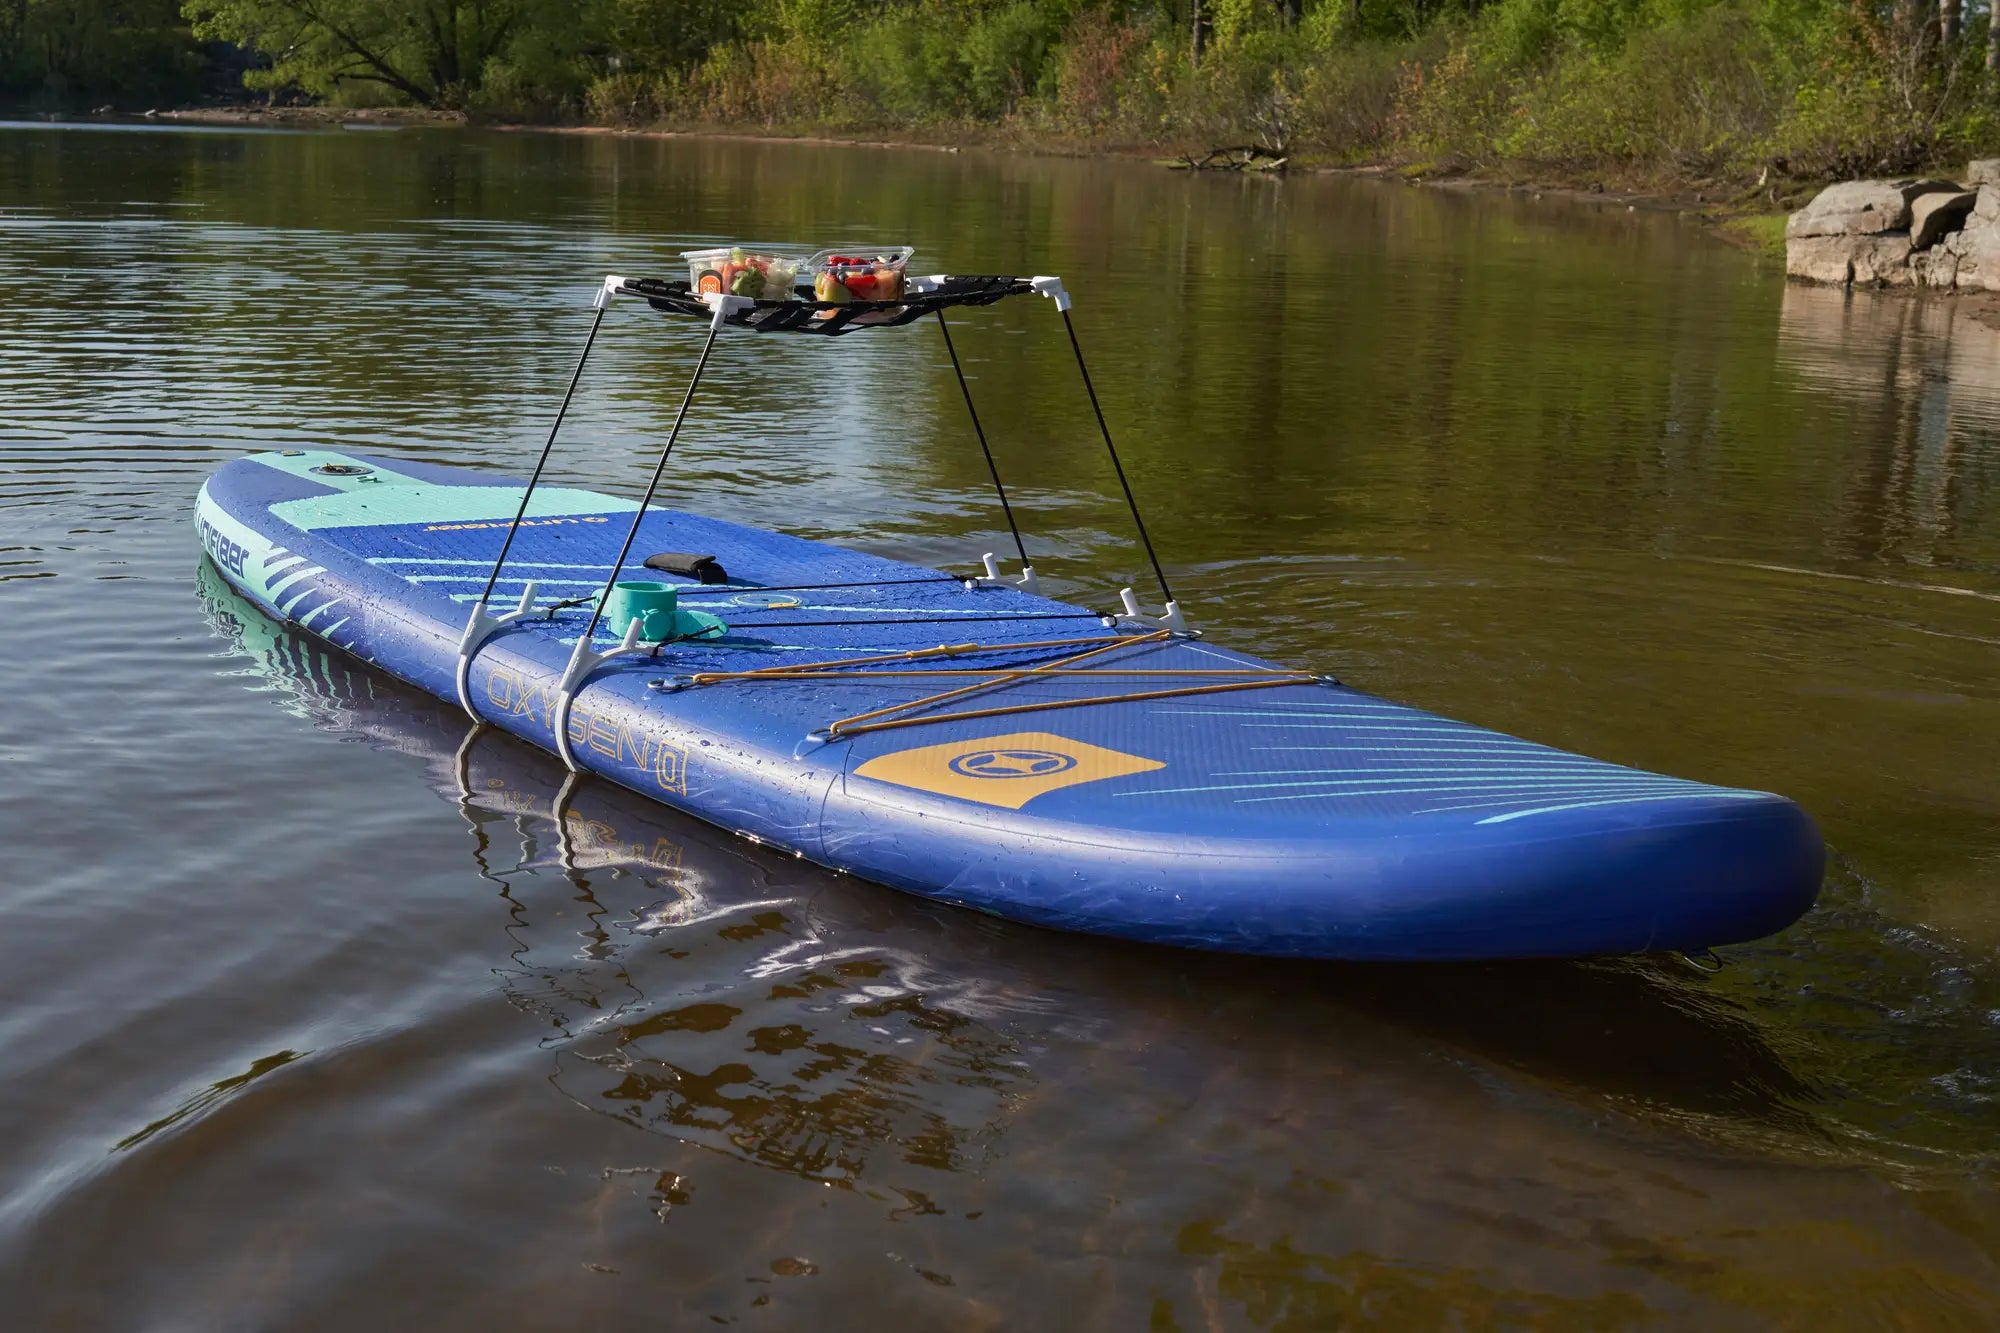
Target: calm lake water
[(311, 1017)]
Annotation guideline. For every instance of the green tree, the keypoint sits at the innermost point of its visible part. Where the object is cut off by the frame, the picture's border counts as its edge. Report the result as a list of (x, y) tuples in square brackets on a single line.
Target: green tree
[(661, 36), (127, 53), (435, 53)]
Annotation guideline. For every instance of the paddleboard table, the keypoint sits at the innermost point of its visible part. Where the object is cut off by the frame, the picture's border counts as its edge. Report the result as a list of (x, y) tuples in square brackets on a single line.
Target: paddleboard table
[(970, 740)]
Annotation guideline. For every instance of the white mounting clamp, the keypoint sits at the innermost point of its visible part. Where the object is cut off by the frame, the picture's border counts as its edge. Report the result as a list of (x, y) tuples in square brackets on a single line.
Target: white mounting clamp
[(724, 304), (478, 630), (1133, 616), (581, 663), (1026, 582), (613, 284), (1051, 288)]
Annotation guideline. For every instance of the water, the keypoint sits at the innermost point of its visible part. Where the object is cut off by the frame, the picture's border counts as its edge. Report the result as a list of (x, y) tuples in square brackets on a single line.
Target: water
[(310, 1015)]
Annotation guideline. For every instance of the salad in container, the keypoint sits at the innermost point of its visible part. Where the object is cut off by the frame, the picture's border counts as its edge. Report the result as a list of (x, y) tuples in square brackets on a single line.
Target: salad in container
[(841, 276), (740, 272)]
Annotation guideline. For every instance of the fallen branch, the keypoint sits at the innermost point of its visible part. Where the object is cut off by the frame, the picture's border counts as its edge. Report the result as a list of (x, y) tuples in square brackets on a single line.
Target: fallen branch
[(1237, 157)]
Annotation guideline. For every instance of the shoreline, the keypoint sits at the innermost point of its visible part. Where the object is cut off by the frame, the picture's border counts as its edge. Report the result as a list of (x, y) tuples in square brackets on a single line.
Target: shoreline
[(1756, 227)]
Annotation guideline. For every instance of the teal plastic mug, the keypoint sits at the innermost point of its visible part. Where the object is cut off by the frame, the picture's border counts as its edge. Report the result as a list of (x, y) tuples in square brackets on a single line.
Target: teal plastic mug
[(652, 604)]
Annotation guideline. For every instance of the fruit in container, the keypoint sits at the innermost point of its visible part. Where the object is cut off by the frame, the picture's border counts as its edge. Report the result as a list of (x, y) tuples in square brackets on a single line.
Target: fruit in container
[(844, 276), (876, 282), (867, 280), (829, 289)]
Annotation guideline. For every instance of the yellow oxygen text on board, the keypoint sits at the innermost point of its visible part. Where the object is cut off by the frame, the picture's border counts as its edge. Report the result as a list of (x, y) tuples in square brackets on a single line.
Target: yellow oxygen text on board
[(1007, 771), (618, 741)]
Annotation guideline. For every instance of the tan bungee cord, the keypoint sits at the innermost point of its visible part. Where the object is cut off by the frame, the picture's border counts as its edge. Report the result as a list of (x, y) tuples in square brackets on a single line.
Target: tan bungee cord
[(883, 719)]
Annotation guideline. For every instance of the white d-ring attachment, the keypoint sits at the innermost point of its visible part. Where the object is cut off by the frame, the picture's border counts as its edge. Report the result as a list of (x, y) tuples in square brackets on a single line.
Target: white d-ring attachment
[(478, 630), (1025, 583), (1133, 616), (581, 663)]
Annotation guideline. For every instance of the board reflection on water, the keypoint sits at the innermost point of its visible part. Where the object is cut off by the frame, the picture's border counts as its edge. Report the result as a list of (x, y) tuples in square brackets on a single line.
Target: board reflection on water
[(827, 1055), (928, 1062)]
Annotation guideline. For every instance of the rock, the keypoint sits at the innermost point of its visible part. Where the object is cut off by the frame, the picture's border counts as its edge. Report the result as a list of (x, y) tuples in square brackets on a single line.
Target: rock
[(1935, 267), (1934, 216), (1977, 250), (1983, 171), (1861, 208), (1820, 258), (1882, 261), (1850, 208), (1976, 246)]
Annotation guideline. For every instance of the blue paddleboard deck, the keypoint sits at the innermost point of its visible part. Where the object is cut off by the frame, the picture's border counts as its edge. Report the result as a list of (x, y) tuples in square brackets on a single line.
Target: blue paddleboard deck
[(1302, 818)]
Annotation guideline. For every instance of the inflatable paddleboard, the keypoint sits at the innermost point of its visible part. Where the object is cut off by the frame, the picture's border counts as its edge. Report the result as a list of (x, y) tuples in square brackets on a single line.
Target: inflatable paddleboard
[(978, 744)]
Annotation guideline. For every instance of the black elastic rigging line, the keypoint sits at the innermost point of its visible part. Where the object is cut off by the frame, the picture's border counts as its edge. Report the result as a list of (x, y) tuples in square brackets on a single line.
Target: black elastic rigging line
[(542, 462), (912, 620), (1119, 468), (718, 589), (659, 469), (1041, 657), (980, 431)]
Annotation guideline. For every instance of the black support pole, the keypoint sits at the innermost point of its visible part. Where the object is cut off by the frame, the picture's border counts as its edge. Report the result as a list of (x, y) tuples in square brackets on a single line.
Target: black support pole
[(1112, 449), (659, 468), (543, 461), (991, 467)]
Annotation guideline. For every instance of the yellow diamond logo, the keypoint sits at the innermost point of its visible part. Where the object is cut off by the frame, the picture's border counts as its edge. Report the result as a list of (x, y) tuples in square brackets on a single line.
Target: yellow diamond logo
[(1009, 770)]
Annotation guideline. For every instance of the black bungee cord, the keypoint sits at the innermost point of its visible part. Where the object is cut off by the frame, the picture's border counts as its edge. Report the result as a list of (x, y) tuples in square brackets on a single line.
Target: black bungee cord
[(1116, 466), (992, 468)]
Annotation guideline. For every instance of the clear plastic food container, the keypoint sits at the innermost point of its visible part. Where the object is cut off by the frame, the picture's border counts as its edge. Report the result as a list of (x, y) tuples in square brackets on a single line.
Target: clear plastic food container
[(859, 273), (740, 272)]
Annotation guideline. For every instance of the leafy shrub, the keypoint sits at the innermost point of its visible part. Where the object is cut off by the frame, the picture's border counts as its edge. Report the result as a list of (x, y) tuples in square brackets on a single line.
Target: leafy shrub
[(768, 83), (1874, 99), (1008, 57), (1101, 74), (626, 99), (1692, 98), (1456, 108), (1347, 98)]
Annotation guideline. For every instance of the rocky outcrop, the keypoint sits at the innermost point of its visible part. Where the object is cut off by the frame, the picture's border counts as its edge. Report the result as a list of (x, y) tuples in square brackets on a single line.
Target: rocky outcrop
[(1893, 233), (1861, 208), (1882, 261), (1935, 215), (1935, 267), (1820, 258), (1976, 247)]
